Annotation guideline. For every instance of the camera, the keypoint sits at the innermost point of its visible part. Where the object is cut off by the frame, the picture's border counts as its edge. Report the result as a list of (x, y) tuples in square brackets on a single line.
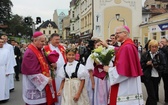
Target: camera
[(155, 62)]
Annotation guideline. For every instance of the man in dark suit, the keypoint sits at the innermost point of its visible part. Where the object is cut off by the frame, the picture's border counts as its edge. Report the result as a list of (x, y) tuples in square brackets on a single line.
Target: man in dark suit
[(17, 58)]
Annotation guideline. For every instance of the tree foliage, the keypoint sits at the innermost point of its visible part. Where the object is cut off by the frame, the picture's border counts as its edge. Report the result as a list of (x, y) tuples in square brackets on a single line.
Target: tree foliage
[(18, 27), (15, 23), (5, 11)]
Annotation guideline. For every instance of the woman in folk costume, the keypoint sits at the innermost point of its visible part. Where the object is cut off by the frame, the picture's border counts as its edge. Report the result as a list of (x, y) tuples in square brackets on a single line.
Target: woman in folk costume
[(72, 87), (98, 89)]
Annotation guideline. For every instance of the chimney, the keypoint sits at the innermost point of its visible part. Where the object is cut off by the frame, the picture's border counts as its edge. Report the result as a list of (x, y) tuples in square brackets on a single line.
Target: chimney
[(152, 6)]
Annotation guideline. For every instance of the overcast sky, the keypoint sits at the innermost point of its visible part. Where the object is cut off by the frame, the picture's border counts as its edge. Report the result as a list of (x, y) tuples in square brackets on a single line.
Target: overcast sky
[(39, 8)]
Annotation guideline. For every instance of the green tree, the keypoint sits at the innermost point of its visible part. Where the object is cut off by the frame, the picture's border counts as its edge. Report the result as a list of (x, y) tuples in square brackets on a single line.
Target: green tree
[(17, 26), (5, 11)]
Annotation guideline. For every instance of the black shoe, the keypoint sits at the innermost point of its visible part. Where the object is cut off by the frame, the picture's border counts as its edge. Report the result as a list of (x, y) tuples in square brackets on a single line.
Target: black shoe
[(4, 101), (11, 90), (17, 79)]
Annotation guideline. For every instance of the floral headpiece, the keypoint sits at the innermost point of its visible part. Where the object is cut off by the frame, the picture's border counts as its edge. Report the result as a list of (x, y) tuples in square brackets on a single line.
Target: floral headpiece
[(71, 50)]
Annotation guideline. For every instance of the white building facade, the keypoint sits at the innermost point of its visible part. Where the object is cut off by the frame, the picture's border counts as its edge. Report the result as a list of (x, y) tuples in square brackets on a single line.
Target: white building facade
[(109, 14)]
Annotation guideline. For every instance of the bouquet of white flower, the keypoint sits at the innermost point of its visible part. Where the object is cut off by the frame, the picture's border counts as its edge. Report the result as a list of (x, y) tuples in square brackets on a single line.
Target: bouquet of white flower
[(102, 56)]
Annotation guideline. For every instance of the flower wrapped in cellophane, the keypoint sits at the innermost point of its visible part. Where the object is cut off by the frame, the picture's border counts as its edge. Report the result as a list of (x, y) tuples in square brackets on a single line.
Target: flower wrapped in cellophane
[(52, 57), (102, 56)]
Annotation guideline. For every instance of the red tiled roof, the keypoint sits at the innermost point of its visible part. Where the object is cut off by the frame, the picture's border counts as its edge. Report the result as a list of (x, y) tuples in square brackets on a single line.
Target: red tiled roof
[(158, 10)]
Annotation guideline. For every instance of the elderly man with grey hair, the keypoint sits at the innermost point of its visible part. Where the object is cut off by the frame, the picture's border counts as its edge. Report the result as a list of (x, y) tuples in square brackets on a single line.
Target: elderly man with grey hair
[(38, 87), (125, 75)]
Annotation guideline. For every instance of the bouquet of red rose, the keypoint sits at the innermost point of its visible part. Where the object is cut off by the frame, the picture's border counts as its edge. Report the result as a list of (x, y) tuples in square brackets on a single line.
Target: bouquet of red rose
[(52, 57)]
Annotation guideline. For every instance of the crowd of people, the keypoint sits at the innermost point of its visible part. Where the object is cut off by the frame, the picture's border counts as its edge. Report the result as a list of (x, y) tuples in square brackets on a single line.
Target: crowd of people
[(73, 82)]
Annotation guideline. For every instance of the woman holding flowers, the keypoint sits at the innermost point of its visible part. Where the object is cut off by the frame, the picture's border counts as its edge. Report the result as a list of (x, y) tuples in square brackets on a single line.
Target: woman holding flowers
[(98, 87), (72, 87)]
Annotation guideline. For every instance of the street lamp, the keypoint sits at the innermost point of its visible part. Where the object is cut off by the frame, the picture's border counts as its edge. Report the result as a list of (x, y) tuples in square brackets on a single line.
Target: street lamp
[(120, 19), (117, 16)]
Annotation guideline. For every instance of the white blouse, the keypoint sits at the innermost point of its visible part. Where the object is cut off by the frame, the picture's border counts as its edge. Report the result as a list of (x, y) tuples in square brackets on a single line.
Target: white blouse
[(89, 63), (70, 68), (154, 71)]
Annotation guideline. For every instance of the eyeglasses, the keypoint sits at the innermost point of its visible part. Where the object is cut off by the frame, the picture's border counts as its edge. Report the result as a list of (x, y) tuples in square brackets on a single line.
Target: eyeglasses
[(119, 32)]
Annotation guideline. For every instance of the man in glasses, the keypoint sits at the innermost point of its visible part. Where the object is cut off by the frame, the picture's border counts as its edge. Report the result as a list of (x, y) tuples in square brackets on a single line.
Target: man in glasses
[(125, 75)]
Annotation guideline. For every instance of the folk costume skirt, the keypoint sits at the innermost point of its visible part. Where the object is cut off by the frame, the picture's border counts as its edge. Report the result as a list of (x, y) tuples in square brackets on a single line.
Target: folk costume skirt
[(71, 87)]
